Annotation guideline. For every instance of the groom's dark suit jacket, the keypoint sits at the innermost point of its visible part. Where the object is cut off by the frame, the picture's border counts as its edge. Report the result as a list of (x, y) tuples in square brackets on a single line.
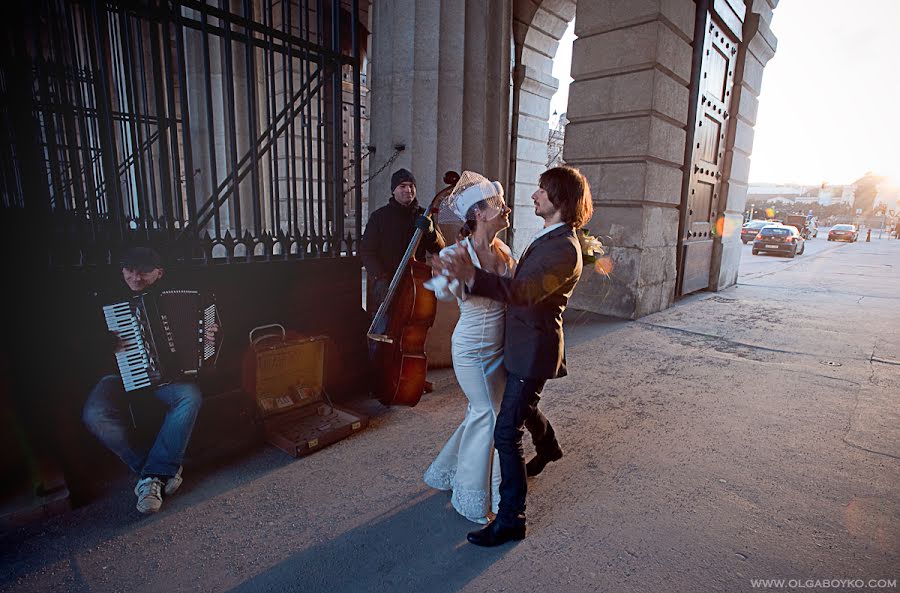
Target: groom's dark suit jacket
[(536, 298)]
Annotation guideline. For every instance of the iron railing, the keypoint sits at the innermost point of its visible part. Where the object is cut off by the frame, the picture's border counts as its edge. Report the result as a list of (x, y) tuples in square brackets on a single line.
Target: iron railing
[(214, 128)]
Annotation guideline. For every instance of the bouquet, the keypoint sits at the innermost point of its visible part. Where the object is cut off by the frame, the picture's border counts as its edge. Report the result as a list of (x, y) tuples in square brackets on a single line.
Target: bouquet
[(591, 247)]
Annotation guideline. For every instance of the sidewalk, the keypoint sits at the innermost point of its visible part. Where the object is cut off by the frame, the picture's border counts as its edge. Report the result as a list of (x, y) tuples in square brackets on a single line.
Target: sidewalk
[(748, 434)]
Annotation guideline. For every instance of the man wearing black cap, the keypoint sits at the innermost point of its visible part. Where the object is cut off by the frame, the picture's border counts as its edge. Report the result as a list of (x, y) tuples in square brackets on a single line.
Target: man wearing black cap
[(106, 409), (388, 234)]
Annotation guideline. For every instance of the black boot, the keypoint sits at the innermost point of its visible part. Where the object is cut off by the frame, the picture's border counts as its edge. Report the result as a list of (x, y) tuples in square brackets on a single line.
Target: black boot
[(495, 535), (537, 463)]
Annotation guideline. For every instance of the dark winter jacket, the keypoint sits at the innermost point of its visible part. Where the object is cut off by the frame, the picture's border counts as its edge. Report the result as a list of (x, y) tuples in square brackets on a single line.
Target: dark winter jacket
[(535, 299), (387, 236)]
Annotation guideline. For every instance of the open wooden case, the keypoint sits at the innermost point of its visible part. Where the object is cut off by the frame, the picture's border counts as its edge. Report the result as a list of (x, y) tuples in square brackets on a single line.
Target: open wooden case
[(285, 374)]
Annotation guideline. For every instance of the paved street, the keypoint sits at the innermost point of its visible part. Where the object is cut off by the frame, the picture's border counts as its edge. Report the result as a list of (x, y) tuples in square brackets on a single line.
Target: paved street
[(747, 434)]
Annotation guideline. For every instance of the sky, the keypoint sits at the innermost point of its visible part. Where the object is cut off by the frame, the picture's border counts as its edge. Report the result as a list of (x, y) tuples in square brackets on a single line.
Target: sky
[(830, 99)]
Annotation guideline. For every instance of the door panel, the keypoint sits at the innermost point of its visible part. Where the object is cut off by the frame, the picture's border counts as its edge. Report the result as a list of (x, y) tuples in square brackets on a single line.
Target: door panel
[(702, 202)]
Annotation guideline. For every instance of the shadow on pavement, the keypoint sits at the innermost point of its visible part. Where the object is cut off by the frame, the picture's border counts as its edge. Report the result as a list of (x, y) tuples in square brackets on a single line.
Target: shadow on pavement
[(420, 547)]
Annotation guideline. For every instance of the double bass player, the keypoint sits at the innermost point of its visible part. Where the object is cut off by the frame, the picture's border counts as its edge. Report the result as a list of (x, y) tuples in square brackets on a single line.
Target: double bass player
[(388, 233), (383, 249)]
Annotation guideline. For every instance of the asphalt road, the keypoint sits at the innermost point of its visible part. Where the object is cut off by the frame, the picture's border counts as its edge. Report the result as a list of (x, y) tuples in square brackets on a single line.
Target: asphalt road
[(748, 434), (765, 263)]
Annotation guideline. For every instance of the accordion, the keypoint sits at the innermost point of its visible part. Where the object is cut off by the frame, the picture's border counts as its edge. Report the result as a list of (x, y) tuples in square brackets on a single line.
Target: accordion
[(163, 336)]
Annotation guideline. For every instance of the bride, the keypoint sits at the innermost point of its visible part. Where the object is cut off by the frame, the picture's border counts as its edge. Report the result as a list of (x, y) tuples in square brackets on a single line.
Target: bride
[(468, 464)]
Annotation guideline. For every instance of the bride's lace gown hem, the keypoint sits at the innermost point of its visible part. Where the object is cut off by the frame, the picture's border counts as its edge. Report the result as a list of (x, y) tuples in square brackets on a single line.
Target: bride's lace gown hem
[(468, 464)]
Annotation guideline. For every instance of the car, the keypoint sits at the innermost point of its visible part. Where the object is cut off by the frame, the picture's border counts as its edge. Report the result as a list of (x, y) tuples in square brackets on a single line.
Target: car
[(751, 229), (843, 232), (779, 239)]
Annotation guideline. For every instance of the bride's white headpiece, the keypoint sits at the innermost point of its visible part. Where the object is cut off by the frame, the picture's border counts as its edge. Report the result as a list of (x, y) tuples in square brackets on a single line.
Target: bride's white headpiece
[(471, 189)]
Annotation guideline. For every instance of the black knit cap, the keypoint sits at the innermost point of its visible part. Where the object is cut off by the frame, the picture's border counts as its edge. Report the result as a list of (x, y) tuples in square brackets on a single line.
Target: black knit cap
[(400, 176), (141, 259)]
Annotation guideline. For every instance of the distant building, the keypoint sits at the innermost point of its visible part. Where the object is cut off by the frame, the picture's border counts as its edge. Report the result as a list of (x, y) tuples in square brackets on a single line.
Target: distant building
[(556, 139), (762, 193)]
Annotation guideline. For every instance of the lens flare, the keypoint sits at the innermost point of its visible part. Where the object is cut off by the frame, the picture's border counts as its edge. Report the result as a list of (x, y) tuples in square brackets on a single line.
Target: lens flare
[(720, 226), (604, 265)]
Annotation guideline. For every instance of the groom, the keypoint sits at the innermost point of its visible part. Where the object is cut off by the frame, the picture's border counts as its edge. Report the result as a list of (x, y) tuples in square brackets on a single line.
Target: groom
[(534, 349)]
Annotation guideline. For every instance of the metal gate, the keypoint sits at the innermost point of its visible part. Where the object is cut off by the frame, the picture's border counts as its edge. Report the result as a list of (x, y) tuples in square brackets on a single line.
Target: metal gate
[(212, 128), (701, 210)]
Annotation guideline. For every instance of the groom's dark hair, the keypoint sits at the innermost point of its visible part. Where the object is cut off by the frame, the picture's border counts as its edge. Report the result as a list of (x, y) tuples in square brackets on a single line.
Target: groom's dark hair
[(569, 191)]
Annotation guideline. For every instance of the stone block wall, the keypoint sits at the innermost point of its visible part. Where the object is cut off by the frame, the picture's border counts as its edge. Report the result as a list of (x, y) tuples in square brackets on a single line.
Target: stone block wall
[(628, 109)]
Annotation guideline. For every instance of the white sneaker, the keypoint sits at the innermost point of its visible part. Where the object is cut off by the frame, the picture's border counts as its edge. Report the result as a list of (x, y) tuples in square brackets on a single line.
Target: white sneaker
[(149, 493), (174, 482)]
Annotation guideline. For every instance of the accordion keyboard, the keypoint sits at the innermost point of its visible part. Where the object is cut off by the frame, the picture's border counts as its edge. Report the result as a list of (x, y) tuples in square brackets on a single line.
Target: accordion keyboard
[(134, 364), (209, 318)]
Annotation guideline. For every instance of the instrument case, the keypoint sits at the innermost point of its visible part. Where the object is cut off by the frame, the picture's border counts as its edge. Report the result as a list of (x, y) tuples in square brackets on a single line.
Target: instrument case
[(284, 373)]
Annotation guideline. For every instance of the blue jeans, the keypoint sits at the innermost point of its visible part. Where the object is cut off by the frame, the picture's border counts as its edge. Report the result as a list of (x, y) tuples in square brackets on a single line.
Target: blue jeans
[(106, 416), (518, 409)]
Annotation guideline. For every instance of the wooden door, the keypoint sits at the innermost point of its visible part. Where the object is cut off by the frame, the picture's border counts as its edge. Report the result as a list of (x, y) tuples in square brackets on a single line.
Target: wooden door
[(703, 206)]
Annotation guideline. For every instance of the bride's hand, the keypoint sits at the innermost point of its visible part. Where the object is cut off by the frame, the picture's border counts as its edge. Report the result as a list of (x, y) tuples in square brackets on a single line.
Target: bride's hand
[(458, 264)]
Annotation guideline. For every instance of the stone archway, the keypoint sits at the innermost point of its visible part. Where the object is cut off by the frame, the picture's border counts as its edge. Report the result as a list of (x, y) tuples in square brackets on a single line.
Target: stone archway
[(631, 117), (441, 91), (537, 29)]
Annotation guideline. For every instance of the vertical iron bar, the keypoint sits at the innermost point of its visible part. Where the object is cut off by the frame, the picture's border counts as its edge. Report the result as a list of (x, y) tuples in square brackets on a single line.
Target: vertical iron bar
[(291, 131), (357, 123), (253, 107), (230, 121), (337, 133), (321, 198), (107, 142), (152, 214), (162, 122), (116, 67), (68, 73), (210, 124), (132, 79), (186, 125), (83, 139), (47, 119), (269, 62), (172, 114), (304, 179), (310, 196)]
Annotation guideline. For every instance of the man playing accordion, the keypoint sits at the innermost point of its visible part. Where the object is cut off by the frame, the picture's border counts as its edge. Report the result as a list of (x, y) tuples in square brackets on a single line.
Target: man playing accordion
[(106, 412)]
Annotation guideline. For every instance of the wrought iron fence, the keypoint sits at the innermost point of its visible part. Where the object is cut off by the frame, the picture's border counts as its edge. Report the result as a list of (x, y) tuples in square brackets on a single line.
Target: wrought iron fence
[(215, 129)]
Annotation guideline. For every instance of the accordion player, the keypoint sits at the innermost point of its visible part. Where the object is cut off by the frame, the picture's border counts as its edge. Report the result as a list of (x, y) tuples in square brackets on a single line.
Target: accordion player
[(163, 336)]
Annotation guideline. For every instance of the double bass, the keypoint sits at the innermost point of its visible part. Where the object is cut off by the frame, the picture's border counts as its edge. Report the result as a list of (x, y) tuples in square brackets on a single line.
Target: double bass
[(399, 328)]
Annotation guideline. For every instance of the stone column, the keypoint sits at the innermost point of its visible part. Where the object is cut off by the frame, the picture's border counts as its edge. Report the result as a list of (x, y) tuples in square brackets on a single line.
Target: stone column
[(628, 109), (536, 90), (440, 87), (754, 52)]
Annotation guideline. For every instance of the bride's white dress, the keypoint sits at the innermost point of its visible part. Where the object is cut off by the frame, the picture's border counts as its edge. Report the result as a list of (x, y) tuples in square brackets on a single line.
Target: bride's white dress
[(468, 464)]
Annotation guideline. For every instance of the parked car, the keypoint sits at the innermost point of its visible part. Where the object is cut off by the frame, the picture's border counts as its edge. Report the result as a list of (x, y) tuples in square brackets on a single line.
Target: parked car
[(843, 232), (751, 229), (779, 239)]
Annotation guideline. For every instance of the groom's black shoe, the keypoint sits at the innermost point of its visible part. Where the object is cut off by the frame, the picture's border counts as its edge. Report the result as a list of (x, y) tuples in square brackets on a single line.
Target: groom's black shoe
[(495, 535), (537, 463)]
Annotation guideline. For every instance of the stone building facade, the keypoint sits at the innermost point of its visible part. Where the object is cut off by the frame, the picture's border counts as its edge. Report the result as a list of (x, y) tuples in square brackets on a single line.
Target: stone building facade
[(661, 115)]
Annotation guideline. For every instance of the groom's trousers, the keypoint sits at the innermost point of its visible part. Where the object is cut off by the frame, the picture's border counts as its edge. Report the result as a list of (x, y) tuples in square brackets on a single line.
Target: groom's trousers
[(518, 409)]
